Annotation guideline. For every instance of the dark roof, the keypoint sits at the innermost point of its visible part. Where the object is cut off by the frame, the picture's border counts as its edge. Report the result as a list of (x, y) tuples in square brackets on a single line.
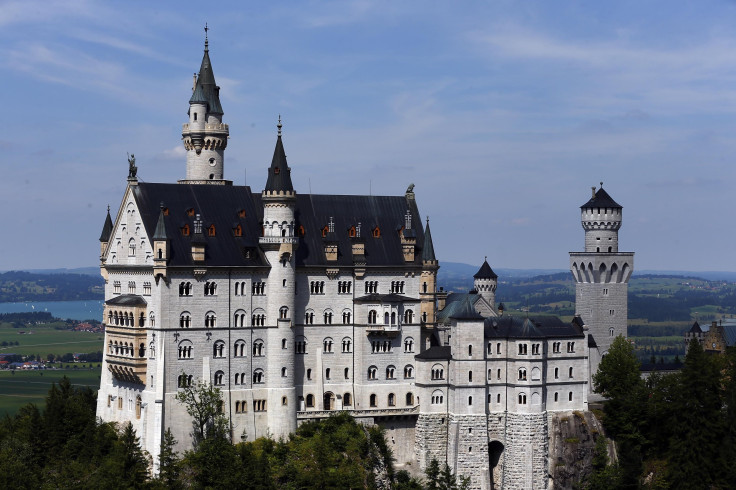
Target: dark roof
[(454, 303), (466, 311), (436, 352), (206, 90), (279, 174), (601, 199), (127, 300), (160, 233), (428, 249), (530, 328), (219, 205), (485, 272), (695, 328), (106, 228)]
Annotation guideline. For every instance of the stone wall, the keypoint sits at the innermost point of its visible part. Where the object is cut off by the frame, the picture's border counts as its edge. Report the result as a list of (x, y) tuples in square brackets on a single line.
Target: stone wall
[(430, 439)]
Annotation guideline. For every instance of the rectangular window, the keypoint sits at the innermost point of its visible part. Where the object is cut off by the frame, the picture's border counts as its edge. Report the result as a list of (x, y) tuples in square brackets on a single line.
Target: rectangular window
[(116, 287)]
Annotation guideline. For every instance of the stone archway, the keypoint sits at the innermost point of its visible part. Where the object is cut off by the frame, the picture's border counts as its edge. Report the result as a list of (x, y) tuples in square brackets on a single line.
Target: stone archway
[(495, 449)]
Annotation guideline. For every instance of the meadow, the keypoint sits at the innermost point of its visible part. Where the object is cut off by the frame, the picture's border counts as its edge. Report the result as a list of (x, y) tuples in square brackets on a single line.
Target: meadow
[(44, 340), (21, 387)]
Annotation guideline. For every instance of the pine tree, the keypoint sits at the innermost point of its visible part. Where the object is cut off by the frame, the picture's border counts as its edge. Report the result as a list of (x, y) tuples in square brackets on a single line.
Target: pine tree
[(168, 461)]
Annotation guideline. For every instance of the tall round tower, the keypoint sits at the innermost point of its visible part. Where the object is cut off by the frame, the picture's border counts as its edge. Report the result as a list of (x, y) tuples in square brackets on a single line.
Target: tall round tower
[(279, 243), (601, 275), (205, 136)]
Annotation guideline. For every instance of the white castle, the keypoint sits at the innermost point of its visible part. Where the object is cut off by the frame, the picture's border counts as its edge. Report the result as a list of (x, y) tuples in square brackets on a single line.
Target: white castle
[(297, 306)]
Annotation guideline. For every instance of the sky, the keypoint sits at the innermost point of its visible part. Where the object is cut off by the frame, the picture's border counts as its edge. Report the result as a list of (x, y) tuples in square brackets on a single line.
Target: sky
[(503, 114)]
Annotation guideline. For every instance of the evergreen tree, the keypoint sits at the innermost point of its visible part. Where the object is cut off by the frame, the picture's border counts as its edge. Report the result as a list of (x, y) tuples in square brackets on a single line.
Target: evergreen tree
[(695, 458), (432, 474), (168, 471)]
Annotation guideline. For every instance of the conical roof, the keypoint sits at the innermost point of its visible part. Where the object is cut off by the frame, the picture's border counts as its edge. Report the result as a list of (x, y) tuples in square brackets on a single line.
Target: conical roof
[(106, 228), (428, 249), (485, 272), (279, 174), (601, 199), (206, 91), (160, 233)]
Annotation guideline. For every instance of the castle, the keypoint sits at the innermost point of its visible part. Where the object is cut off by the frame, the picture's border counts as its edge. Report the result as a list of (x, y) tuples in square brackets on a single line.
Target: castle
[(299, 305)]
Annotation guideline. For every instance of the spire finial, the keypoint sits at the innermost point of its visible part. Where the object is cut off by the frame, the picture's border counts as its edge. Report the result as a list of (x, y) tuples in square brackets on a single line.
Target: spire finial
[(485, 259), (206, 41), (427, 220), (279, 125), (601, 184), (108, 209)]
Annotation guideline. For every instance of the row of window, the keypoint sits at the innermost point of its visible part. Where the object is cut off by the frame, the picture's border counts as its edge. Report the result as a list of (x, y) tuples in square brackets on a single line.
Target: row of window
[(138, 404), (258, 405), (117, 287), (125, 349), (127, 319), (523, 349), (391, 372)]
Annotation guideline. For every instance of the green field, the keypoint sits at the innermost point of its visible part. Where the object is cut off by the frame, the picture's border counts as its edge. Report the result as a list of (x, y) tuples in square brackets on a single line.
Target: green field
[(25, 387), (45, 340)]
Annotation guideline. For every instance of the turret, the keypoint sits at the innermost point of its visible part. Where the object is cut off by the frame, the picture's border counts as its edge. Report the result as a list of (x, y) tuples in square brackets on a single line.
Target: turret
[(105, 235), (279, 242), (485, 282), (160, 247), (429, 279), (601, 220), (205, 136)]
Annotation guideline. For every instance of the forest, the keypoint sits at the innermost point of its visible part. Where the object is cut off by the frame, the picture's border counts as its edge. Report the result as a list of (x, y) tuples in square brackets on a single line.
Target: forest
[(17, 286), (64, 446)]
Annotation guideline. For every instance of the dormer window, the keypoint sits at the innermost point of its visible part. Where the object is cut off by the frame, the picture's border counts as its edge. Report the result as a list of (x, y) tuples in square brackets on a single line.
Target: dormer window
[(324, 231), (376, 232), (241, 213), (351, 232), (190, 212), (185, 230), (301, 230), (211, 230), (238, 231), (166, 211), (195, 116), (276, 171)]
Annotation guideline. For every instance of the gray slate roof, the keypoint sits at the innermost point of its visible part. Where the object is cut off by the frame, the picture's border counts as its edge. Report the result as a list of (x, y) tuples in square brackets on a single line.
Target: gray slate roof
[(509, 327), (127, 300), (206, 90), (106, 228), (279, 174), (601, 200), (428, 249), (485, 272), (220, 206)]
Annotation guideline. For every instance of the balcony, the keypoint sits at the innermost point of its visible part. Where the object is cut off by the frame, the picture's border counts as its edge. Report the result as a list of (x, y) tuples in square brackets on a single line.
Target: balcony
[(373, 412), (382, 328), (291, 240), (127, 369)]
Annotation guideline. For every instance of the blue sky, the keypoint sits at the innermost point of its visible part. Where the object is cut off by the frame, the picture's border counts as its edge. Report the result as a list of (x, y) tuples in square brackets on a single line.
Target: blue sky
[(503, 114)]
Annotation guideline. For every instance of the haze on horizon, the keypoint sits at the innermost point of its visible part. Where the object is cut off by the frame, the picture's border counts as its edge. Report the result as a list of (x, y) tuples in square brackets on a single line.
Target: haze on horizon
[(503, 115)]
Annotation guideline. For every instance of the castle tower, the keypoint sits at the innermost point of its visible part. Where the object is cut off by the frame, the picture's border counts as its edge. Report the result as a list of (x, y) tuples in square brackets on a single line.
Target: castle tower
[(601, 275), (279, 243), (430, 266), (205, 136), (485, 282)]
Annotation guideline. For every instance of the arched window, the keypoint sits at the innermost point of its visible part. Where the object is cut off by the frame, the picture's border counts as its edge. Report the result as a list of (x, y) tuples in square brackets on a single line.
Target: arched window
[(210, 320), (258, 348), (470, 351), (218, 349), (300, 345), (138, 407), (522, 399), (284, 312), (569, 397), (372, 371), (347, 345), (372, 316), (258, 376), (239, 319), (391, 400), (438, 372), (522, 374), (569, 372), (408, 371), (347, 400), (470, 376), (185, 349), (438, 397), (327, 345), (309, 317), (373, 400), (470, 400), (390, 372), (408, 344), (409, 316), (409, 399), (219, 375), (185, 320), (283, 372), (346, 317), (131, 248), (328, 317), (211, 230), (239, 348), (310, 401)]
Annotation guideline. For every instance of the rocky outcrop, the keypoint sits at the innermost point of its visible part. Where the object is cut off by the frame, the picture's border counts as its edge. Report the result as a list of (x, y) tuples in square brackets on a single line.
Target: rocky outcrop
[(572, 437)]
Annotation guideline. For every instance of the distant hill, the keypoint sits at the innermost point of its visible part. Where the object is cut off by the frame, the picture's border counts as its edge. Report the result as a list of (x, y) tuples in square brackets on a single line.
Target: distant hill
[(16, 286)]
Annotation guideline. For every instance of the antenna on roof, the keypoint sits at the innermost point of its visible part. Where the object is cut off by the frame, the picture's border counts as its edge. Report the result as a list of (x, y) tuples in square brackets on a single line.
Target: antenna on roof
[(206, 41), (279, 126)]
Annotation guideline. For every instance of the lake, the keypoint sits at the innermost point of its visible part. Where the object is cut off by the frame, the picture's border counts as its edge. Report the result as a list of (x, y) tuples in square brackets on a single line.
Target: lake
[(76, 310)]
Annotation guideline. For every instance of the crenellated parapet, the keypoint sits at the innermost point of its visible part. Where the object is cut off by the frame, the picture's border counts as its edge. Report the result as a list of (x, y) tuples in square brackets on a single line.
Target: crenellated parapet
[(602, 268)]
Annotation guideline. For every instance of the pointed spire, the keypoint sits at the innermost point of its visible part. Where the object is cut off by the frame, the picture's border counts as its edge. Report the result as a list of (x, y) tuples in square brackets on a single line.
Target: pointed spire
[(279, 174), (106, 228), (206, 90), (485, 271), (601, 199), (160, 233), (428, 250)]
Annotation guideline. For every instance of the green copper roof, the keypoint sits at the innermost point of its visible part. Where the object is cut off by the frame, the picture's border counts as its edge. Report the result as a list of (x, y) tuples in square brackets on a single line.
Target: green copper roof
[(160, 233), (206, 91)]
